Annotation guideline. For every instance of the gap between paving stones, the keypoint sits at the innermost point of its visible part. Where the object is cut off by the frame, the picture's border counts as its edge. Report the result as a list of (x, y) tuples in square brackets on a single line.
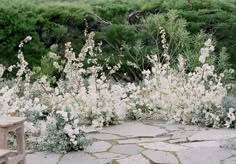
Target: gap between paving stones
[(60, 158)]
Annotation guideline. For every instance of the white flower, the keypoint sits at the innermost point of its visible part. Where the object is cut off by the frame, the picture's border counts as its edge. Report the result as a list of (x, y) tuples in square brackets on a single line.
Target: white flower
[(88, 95), (212, 48), (181, 64), (75, 142), (68, 129), (27, 39), (2, 69), (204, 52), (53, 55), (231, 110), (208, 43), (202, 59), (56, 65)]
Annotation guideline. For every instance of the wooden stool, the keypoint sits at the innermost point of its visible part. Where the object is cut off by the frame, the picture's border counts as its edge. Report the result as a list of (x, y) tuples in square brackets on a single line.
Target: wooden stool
[(4, 156), (8, 124)]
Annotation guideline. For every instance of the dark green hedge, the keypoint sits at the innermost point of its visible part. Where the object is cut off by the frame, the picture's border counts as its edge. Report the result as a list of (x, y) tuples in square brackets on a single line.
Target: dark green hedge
[(50, 22)]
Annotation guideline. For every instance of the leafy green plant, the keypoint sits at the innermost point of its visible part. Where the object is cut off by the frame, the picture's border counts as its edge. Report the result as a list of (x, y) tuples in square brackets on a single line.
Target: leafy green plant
[(18, 20), (59, 21), (62, 135)]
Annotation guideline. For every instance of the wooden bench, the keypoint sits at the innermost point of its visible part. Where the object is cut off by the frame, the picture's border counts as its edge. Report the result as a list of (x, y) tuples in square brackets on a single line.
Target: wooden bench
[(16, 124)]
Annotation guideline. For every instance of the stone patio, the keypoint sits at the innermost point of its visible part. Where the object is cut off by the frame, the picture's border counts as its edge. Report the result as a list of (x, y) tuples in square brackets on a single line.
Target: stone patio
[(150, 142)]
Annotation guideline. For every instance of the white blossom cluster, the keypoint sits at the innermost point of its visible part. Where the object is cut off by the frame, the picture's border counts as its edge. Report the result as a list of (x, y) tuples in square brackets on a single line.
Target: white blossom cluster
[(177, 96), (231, 118), (86, 95)]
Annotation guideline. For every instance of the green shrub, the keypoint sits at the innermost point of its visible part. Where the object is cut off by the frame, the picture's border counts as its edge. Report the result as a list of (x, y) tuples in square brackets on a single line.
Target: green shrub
[(18, 20), (47, 24), (59, 21)]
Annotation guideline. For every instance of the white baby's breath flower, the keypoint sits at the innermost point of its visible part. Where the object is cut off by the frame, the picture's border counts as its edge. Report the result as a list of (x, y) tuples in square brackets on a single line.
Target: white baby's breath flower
[(181, 62), (28, 38), (88, 95), (202, 59), (53, 56), (212, 48), (2, 69), (56, 65), (208, 43)]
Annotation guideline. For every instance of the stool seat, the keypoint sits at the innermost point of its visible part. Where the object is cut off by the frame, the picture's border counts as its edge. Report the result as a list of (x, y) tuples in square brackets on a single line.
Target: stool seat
[(6, 122), (4, 153), (12, 124)]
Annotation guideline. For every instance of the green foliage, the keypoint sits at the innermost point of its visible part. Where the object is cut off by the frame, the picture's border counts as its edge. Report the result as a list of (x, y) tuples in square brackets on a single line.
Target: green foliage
[(46, 67), (179, 38), (18, 19), (46, 63), (116, 34), (47, 24), (59, 21), (57, 140)]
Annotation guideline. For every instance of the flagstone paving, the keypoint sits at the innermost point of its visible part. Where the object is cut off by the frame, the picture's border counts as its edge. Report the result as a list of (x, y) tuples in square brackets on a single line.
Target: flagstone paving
[(150, 142)]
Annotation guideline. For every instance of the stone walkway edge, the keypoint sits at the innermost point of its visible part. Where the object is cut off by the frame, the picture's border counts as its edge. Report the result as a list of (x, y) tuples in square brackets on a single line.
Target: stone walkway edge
[(150, 142)]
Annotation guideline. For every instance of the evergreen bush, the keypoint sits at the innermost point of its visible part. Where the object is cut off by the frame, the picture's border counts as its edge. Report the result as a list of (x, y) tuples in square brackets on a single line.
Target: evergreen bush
[(119, 24)]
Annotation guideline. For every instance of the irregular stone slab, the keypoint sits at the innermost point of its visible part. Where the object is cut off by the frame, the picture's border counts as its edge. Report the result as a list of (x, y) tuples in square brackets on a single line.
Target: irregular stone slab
[(108, 155), (160, 157), (90, 129), (162, 146), (99, 146), (42, 158), (135, 129), (213, 134), (230, 143), (203, 155), (183, 134), (102, 136), (135, 159), (129, 149), (202, 144), (231, 160), (142, 140), (81, 158)]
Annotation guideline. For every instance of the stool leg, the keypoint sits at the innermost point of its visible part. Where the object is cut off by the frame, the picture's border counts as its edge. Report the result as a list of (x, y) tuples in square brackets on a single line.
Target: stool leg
[(3, 160), (20, 142), (3, 138)]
